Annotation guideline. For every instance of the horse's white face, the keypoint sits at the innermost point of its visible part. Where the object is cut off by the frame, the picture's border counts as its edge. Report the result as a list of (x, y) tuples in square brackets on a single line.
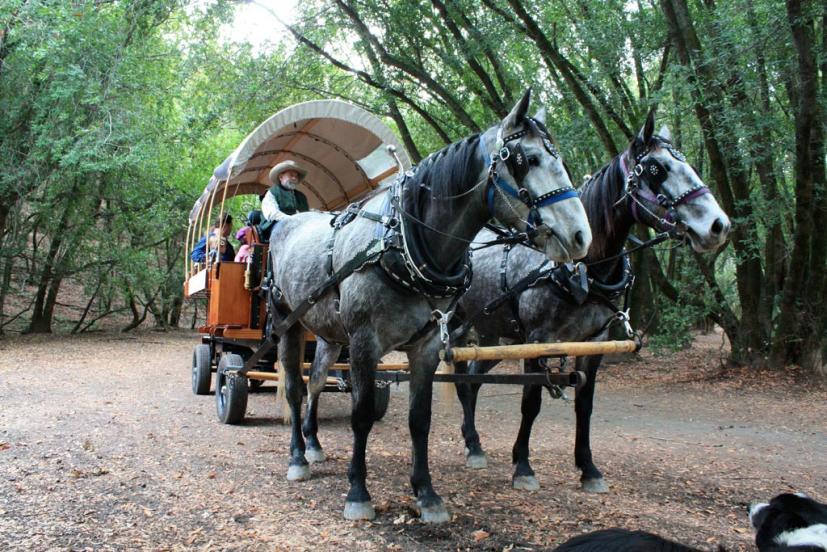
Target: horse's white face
[(706, 224), (699, 217), (563, 230)]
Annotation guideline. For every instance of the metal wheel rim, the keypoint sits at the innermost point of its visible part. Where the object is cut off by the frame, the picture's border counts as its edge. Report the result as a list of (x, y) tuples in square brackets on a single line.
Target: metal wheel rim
[(223, 392)]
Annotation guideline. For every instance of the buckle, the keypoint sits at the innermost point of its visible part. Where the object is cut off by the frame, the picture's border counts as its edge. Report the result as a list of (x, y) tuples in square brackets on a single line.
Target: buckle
[(442, 319), (504, 153), (638, 170)]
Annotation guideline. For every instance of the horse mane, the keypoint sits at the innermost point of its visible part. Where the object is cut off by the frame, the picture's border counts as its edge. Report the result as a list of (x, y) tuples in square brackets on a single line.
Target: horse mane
[(443, 174), (599, 196), (437, 183)]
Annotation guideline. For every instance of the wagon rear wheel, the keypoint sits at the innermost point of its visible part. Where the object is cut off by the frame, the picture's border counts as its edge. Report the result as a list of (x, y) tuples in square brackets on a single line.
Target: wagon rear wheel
[(201, 369), (230, 390)]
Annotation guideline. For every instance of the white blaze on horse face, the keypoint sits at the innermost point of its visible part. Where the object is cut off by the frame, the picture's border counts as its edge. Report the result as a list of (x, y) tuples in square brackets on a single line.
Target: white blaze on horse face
[(707, 225), (565, 234)]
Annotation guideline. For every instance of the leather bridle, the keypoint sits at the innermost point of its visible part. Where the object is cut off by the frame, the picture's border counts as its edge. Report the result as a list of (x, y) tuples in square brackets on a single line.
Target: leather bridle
[(510, 152), (653, 174)]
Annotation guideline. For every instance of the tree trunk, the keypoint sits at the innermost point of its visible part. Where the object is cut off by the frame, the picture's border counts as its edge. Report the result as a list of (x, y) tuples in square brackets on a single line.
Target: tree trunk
[(798, 321), (730, 180), (642, 298), (554, 60), (175, 312)]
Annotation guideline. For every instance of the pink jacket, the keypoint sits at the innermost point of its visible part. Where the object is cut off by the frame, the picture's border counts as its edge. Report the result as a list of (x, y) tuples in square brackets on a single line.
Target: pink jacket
[(243, 254)]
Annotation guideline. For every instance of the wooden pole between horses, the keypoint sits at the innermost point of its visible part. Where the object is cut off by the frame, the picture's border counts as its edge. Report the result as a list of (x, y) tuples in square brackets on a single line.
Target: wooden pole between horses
[(536, 350)]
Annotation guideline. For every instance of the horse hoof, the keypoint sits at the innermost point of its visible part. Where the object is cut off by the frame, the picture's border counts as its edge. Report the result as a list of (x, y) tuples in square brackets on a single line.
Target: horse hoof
[(594, 485), (525, 483), (356, 511), (433, 514), (475, 461), (314, 455), (298, 472)]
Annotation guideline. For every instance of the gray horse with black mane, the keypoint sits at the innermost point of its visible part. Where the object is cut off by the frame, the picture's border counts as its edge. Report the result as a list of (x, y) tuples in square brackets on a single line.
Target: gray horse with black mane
[(399, 261), (649, 183)]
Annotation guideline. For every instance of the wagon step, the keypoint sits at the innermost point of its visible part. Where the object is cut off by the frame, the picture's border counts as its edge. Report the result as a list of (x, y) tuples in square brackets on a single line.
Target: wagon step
[(537, 350)]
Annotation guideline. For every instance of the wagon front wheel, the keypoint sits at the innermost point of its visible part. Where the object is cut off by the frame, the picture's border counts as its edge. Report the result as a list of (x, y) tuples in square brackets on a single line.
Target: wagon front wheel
[(230, 390), (201, 369)]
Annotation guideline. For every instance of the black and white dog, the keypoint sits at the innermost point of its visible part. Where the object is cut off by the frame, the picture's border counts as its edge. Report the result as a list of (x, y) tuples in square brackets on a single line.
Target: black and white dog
[(789, 523), (792, 522)]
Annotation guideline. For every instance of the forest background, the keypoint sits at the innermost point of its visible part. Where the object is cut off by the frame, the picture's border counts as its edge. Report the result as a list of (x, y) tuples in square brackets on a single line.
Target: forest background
[(115, 112)]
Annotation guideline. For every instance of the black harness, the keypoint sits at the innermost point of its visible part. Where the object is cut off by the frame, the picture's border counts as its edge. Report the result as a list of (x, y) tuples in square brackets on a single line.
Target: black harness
[(398, 249), (568, 281)]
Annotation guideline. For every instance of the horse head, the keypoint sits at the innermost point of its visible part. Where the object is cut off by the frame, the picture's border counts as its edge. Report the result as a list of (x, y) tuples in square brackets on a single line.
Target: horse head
[(530, 189), (667, 194)]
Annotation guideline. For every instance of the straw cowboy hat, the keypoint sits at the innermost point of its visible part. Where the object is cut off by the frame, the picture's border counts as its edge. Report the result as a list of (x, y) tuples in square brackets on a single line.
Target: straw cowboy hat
[(286, 166)]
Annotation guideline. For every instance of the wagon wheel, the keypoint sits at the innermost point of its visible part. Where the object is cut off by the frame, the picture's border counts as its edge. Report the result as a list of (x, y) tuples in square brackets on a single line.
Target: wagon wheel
[(381, 398), (201, 369), (230, 390)]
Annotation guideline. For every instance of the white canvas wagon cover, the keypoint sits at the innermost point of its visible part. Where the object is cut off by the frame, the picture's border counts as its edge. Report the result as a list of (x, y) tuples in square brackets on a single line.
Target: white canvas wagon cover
[(341, 145)]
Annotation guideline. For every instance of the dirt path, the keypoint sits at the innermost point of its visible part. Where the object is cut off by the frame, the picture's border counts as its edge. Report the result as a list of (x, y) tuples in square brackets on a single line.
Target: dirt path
[(103, 446)]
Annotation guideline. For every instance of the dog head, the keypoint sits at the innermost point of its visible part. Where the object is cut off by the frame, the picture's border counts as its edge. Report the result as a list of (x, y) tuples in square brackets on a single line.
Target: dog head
[(790, 522)]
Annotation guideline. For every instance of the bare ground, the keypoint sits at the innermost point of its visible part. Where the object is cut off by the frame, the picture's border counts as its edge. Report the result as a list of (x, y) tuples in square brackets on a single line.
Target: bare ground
[(103, 446)]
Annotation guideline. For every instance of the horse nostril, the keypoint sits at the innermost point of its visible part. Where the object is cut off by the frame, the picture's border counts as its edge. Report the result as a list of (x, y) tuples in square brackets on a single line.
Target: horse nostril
[(717, 227), (578, 238)]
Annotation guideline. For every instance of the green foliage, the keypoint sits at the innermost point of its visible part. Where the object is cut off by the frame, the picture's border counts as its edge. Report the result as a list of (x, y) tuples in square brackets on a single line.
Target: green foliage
[(115, 113), (676, 324)]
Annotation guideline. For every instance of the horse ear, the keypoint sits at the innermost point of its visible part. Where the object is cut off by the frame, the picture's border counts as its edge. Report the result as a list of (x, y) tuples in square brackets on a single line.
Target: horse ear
[(665, 134), (519, 112), (541, 115), (648, 129)]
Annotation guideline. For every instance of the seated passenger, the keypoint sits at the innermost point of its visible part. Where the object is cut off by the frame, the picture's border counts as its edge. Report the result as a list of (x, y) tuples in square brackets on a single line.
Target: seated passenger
[(245, 237), (218, 242), (283, 199)]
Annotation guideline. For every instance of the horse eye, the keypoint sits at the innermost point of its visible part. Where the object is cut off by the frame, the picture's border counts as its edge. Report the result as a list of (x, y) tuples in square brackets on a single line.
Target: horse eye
[(533, 160)]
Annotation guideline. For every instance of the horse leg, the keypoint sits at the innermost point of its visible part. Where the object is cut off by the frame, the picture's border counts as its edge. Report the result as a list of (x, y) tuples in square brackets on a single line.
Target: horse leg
[(365, 353), (591, 479), (423, 362), (468, 392), (326, 355), (523, 477), (290, 355)]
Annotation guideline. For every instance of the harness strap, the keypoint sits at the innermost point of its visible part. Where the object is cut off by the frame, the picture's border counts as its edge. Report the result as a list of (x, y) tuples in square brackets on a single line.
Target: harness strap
[(494, 179), (362, 258)]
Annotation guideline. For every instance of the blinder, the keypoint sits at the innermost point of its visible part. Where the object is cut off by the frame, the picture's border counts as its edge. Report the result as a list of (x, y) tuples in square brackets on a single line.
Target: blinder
[(516, 161)]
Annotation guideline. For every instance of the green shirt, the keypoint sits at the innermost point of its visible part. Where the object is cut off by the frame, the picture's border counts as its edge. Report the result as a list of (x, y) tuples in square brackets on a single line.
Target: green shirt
[(290, 202)]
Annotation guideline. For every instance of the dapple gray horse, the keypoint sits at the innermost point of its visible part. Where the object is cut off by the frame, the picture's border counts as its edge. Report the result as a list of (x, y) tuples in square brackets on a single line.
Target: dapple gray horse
[(443, 206), (667, 195)]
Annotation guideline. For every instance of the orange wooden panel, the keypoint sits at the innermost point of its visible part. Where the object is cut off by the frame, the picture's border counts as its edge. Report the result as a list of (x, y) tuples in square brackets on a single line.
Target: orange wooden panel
[(229, 301), (244, 333)]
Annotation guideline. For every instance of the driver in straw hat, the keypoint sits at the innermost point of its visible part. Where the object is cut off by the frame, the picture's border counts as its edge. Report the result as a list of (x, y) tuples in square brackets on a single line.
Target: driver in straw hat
[(283, 199)]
